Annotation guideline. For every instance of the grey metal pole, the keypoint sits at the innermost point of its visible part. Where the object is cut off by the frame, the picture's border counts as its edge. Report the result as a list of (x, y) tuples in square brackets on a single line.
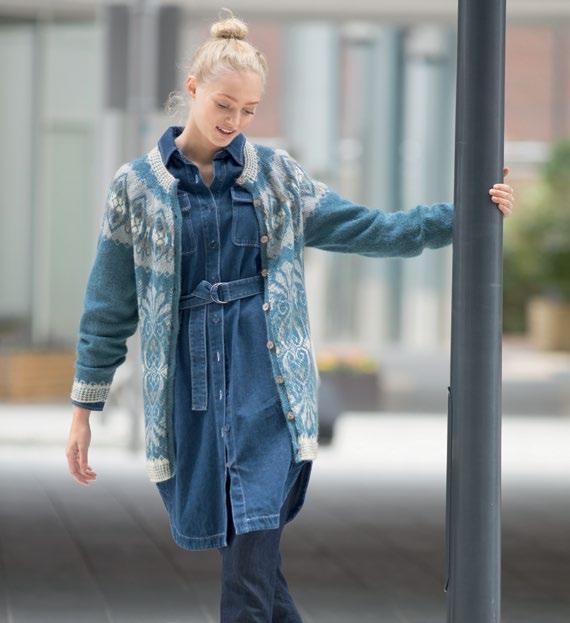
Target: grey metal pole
[(473, 512)]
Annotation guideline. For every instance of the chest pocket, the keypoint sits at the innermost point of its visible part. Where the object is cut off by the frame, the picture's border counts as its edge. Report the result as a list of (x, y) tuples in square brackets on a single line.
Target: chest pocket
[(245, 228), (188, 236)]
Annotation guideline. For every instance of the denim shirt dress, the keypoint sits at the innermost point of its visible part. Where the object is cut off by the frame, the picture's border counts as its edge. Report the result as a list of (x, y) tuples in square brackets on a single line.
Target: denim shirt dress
[(228, 419)]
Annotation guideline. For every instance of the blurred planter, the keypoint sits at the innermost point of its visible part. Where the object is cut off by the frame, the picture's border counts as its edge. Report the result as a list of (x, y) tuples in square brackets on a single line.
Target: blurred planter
[(36, 375), (357, 391), (548, 323), (351, 375)]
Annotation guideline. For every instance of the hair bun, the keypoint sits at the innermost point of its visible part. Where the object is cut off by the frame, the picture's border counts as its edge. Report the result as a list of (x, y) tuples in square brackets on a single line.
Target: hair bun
[(229, 28)]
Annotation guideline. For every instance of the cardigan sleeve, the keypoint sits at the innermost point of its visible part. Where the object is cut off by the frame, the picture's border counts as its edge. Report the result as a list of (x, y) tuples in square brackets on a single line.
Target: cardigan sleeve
[(110, 309), (334, 223)]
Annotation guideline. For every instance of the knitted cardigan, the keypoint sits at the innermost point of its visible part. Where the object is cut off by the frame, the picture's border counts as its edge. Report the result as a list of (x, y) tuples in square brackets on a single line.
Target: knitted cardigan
[(135, 281)]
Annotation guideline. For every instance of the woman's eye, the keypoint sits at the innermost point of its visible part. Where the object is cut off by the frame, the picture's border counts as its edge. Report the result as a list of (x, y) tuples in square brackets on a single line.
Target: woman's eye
[(249, 112)]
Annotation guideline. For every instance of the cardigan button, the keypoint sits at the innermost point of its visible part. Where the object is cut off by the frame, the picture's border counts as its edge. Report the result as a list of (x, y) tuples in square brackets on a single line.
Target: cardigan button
[(257, 202), (265, 306), (279, 379), (264, 272), (270, 344), (264, 238), (290, 415)]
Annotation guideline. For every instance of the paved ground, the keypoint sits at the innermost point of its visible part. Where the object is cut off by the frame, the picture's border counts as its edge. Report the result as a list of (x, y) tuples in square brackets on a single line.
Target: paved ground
[(368, 545)]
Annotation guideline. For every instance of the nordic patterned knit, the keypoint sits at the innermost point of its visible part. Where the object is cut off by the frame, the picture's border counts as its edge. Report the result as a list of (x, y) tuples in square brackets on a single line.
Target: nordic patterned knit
[(135, 280)]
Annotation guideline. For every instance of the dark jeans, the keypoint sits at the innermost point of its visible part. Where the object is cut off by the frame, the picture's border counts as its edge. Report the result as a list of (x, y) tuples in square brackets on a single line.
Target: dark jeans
[(254, 589)]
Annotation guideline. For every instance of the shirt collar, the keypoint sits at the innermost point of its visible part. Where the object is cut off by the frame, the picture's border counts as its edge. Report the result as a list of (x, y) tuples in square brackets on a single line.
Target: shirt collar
[(168, 147)]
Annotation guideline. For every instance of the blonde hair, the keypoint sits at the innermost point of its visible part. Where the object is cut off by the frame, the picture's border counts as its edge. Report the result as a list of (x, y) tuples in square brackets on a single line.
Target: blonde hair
[(225, 50)]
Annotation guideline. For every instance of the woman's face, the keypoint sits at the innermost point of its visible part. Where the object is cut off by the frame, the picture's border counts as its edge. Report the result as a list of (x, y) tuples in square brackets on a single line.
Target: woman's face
[(227, 103)]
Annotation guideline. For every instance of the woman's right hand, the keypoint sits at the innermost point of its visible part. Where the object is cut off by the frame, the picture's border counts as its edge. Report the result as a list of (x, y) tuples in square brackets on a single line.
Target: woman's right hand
[(77, 446)]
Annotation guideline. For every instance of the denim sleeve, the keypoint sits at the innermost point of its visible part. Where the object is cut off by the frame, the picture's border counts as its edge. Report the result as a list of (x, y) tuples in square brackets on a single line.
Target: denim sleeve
[(334, 223), (92, 406), (110, 309)]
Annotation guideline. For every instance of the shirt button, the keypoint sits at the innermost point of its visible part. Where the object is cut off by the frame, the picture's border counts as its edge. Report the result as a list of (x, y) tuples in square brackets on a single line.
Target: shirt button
[(290, 415), (265, 306), (270, 344), (264, 238), (212, 243), (279, 379), (264, 272)]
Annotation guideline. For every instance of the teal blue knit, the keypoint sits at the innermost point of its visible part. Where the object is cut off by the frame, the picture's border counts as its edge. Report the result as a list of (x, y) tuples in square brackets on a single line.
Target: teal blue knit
[(135, 281)]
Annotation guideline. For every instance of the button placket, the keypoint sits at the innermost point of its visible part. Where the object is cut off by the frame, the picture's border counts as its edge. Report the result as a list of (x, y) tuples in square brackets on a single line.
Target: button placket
[(282, 408)]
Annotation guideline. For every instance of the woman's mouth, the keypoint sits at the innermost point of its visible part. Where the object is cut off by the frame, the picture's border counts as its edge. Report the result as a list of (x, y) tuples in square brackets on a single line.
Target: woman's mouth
[(224, 132)]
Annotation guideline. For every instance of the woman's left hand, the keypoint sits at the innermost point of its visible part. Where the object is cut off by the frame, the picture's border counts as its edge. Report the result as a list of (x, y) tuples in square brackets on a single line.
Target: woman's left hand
[(503, 195)]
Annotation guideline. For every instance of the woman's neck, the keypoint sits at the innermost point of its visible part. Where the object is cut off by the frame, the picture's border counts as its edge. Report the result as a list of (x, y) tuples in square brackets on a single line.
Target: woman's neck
[(195, 147)]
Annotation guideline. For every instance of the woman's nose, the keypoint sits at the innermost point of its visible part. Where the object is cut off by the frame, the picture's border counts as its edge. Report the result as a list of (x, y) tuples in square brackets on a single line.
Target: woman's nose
[(233, 120)]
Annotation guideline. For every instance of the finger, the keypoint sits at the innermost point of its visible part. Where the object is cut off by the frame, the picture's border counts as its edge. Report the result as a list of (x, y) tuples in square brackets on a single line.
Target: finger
[(81, 479), (73, 462), (88, 473), (83, 458), (503, 187), (495, 192), (74, 469), (504, 209), (505, 206), (503, 201), (507, 201), (505, 171)]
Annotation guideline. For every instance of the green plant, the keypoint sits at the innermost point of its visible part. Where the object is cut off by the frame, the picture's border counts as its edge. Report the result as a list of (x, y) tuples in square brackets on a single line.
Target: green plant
[(537, 240)]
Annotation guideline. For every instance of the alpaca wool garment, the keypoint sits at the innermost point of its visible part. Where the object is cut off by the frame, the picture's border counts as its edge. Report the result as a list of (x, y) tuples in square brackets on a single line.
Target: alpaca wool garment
[(135, 281)]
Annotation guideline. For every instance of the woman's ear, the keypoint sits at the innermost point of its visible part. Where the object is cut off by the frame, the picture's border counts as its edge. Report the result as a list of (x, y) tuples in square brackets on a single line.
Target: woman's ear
[(191, 85)]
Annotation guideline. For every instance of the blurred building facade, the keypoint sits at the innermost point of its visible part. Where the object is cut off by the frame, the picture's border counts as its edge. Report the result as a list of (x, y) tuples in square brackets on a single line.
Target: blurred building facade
[(365, 103)]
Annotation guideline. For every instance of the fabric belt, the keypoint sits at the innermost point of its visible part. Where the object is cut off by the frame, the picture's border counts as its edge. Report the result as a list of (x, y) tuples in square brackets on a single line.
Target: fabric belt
[(205, 293)]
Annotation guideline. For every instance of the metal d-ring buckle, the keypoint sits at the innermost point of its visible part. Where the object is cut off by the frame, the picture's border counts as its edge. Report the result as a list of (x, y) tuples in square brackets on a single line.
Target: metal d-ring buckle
[(216, 299)]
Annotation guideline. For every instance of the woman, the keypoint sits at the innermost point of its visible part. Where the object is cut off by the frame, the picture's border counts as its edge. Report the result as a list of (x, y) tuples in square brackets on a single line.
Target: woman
[(202, 243)]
